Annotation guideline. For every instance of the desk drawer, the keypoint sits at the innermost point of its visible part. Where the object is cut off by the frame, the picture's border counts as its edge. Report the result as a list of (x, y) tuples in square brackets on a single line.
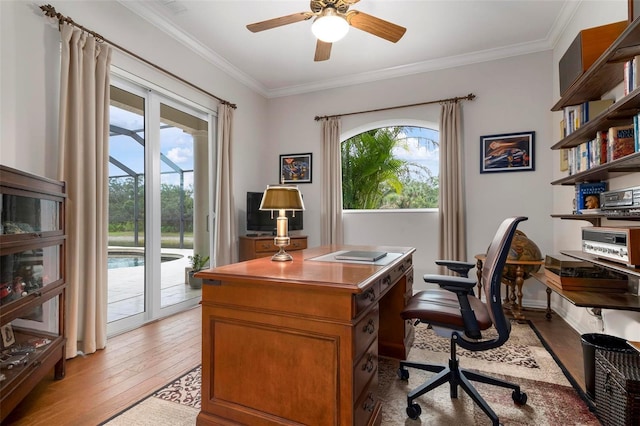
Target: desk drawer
[(367, 405), (365, 369), (267, 245), (365, 331), (367, 298), (297, 244), (397, 272)]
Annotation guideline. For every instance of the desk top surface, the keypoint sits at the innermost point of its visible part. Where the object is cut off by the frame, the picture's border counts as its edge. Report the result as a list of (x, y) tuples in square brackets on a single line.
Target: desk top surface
[(304, 269)]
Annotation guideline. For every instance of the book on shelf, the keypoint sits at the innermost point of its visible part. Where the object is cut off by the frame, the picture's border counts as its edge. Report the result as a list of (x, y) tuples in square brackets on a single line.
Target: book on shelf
[(584, 157), (576, 116), (585, 192), (630, 77), (636, 131), (594, 153), (601, 142), (621, 142)]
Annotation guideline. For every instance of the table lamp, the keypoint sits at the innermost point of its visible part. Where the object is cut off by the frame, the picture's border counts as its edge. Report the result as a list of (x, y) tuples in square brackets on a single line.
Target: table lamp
[(282, 198)]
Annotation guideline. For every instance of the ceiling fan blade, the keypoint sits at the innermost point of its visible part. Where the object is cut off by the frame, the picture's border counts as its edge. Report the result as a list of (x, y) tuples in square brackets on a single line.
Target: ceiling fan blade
[(376, 26), (323, 51), (278, 22)]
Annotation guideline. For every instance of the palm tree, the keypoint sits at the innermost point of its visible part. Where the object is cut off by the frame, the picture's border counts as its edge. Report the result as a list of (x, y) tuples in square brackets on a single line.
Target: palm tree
[(369, 169)]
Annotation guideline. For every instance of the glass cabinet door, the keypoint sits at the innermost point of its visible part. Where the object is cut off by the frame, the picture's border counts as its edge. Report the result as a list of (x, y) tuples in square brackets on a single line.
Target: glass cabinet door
[(25, 215), (29, 271)]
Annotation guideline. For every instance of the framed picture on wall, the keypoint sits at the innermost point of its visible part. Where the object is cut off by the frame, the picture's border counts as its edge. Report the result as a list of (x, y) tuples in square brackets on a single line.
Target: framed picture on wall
[(295, 168), (509, 152)]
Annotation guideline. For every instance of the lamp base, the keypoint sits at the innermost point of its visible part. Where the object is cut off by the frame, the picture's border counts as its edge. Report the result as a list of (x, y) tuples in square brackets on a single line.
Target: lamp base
[(282, 256)]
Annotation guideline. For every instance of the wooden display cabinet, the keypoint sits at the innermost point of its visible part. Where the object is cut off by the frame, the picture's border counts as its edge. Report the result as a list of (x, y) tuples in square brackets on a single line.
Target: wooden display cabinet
[(32, 282)]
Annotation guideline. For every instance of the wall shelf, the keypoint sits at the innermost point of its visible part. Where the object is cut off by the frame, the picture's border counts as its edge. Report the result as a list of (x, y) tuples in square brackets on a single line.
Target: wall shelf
[(606, 72), (619, 167)]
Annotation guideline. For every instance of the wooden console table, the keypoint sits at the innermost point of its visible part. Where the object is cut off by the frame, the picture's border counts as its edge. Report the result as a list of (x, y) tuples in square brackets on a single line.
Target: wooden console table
[(262, 246), (513, 296), (297, 342)]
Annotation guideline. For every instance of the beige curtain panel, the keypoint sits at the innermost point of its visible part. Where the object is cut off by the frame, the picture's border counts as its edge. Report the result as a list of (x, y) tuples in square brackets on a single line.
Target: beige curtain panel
[(84, 156), (226, 249), (452, 236), (331, 227)]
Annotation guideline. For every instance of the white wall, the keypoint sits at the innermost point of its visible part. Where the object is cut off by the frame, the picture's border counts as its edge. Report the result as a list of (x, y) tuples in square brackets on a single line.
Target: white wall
[(29, 48), (513, 95), (567, 232)]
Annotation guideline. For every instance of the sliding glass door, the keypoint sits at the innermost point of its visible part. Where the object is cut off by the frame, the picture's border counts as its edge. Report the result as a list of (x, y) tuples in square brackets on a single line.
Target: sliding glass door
[(161, 196)]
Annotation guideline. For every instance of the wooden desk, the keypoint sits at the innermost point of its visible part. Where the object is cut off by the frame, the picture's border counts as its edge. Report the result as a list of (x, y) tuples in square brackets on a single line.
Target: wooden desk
[(298, 342), (513, 297)]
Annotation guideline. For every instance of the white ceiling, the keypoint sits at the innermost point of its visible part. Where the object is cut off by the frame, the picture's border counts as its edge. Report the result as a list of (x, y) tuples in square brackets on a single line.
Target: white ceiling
[(279, 62)]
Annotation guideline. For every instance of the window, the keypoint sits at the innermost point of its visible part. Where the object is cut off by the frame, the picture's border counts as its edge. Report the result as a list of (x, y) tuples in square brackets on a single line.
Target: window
[(391, 168)]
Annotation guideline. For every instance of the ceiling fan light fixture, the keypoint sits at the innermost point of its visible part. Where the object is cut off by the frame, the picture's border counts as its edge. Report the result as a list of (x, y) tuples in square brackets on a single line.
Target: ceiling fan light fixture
[(330, 26)]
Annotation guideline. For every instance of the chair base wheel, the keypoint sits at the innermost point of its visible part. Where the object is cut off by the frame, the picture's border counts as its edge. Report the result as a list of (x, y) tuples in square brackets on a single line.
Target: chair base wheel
[(403, 373), (520, 398), (414, 411)]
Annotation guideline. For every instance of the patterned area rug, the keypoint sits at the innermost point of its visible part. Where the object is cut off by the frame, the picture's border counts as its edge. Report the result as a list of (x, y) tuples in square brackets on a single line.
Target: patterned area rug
[(523, 359)]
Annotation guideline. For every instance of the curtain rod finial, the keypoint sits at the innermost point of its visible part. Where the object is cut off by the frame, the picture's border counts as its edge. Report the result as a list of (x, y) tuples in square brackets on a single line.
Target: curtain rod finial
[(49, 11)]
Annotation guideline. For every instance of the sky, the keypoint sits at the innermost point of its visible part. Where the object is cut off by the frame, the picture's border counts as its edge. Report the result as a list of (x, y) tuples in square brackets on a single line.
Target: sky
[(175, 144), (419, 149)]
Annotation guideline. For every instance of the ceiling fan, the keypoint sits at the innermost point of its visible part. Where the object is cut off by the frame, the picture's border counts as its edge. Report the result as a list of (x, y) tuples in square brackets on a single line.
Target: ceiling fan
[(331, 23)]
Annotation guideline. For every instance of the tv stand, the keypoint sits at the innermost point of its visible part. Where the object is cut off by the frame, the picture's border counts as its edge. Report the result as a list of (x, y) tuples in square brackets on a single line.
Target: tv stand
[(253, 246)]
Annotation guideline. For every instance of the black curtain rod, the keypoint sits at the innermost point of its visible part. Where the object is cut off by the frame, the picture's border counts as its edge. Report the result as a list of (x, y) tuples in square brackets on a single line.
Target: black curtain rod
[(469, 97), (50, 12)]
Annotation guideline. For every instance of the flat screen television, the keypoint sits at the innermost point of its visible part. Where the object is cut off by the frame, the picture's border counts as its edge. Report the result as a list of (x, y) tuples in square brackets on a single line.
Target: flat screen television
[(261, 221)]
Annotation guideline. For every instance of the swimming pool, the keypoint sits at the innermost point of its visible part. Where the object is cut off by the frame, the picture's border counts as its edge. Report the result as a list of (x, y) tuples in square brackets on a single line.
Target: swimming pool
[(129, 259)]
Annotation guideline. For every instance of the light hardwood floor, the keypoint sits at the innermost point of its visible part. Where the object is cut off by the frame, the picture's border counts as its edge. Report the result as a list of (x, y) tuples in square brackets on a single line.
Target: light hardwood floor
[(100, 385), (137, 363)]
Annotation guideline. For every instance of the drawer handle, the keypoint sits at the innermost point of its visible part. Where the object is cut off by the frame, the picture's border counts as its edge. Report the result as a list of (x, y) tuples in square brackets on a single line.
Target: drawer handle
[(370, 327), (369, 403), (370, 294), (265, 246), (368, 366), (387, 280), (403, 268)]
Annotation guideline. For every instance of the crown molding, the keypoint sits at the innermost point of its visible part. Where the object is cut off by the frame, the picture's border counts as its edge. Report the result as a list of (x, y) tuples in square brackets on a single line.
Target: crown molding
[(146, 11)]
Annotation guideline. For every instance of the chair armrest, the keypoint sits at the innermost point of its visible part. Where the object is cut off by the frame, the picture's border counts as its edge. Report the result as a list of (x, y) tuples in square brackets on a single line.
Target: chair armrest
[(457, 266), (454, 284), (463, 288)]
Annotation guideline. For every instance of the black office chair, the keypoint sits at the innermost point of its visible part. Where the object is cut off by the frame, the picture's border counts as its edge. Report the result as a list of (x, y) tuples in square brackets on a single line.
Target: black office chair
[(454, 310)]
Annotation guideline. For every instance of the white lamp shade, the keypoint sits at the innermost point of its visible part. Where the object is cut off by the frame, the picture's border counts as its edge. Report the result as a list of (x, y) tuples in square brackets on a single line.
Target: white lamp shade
[(330, 27)]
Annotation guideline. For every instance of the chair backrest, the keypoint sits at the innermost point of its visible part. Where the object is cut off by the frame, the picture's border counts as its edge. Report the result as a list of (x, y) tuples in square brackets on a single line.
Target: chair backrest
[(492, 270)]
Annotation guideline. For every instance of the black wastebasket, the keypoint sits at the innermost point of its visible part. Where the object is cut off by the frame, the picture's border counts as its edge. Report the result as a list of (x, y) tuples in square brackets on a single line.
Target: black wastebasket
[(591, 342)]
